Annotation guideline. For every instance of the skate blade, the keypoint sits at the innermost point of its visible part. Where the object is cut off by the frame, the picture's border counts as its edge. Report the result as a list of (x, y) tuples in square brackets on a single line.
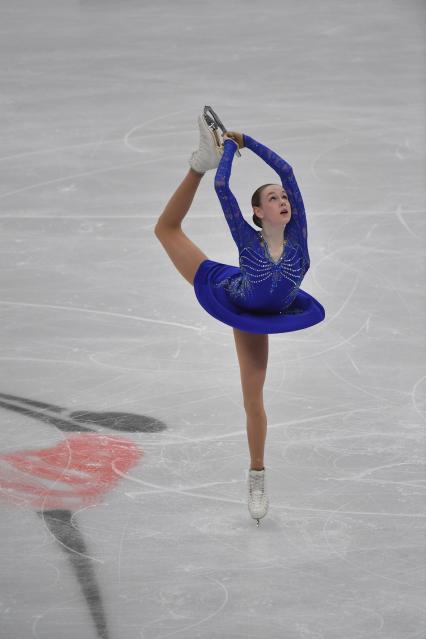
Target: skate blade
[(208, 112), (214, 122), (218, 142)]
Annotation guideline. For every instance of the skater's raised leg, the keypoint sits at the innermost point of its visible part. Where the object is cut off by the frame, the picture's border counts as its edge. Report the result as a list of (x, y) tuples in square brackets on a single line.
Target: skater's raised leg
[(185, 255)]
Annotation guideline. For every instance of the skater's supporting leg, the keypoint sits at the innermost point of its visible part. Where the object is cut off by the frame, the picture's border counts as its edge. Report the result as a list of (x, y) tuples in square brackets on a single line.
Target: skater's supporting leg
[(185, 255), (252, 351)]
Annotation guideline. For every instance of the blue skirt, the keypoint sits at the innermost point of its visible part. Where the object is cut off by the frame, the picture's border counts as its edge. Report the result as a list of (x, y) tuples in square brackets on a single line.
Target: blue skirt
[(303, 312)]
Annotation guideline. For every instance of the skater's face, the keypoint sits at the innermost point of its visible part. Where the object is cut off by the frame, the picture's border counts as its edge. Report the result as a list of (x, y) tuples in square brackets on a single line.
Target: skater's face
[(274, 205)]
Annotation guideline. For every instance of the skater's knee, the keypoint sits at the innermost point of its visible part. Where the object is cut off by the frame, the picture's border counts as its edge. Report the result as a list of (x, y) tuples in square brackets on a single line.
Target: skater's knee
[(162, 228), (254, 407)]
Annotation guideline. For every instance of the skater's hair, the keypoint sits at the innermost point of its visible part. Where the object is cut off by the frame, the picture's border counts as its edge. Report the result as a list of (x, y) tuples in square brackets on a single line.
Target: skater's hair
[(255, 201)]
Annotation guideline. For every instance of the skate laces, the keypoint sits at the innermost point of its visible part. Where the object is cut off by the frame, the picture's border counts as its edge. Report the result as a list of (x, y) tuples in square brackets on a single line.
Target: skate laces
[(257, 486), (258, 502)]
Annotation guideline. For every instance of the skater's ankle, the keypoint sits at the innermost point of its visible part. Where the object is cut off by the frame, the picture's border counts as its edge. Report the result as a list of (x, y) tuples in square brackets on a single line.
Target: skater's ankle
[(196, 173), (258, 468)]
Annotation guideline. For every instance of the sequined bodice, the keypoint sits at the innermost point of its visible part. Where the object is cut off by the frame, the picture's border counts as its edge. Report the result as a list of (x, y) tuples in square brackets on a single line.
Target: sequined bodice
[(263, 283)]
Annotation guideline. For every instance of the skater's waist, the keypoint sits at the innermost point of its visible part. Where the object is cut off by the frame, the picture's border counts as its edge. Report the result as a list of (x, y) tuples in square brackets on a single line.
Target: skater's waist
[(263, 296)]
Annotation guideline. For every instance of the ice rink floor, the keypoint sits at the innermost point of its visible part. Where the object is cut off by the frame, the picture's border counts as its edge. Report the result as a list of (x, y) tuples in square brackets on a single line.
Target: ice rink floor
[(124, 455)]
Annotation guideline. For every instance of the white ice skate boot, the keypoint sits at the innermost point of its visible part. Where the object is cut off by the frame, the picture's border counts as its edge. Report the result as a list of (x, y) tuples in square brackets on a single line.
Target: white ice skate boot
[(258, 503), (210, 149)]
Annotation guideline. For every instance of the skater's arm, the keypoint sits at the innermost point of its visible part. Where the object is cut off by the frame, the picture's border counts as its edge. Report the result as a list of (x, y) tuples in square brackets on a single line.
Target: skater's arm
[(283, 168), (297, 225), (236, 222)]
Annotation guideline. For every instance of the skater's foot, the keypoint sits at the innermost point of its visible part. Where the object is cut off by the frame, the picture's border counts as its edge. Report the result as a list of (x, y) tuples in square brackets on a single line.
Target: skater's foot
[(258, 502), (210, 149)]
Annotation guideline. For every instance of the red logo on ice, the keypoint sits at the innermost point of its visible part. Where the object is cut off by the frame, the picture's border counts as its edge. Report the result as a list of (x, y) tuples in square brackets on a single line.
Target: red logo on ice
[(73, 474)]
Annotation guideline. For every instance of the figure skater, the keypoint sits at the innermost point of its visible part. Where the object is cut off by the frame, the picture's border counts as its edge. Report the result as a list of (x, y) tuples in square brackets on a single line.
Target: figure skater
[(263, 295)]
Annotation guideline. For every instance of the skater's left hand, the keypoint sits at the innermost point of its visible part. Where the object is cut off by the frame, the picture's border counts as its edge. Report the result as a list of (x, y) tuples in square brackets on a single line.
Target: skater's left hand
[(237, 137)]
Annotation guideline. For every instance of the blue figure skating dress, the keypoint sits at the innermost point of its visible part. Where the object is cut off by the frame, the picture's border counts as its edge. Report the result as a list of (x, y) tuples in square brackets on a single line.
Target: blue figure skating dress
[(262, 295)]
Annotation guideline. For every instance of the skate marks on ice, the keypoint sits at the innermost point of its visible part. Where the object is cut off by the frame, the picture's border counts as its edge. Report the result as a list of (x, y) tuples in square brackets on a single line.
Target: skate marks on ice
[(73, 474)]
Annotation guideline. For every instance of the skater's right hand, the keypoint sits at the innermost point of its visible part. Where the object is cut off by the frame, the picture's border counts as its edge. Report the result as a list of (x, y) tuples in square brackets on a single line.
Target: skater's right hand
[(237, 137)]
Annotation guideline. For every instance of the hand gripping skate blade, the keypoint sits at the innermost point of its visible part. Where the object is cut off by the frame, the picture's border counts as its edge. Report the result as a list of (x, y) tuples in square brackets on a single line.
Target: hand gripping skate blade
[(214, 122)]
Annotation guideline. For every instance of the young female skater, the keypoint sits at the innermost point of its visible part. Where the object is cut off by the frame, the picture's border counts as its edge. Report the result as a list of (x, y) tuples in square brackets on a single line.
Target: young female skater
[(262, 296)]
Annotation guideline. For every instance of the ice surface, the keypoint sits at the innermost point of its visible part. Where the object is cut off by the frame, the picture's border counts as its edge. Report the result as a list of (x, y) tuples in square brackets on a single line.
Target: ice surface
[(123, 454)]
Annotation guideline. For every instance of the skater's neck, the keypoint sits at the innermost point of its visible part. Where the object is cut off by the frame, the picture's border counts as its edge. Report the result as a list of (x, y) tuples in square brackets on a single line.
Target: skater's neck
[(273, 235)]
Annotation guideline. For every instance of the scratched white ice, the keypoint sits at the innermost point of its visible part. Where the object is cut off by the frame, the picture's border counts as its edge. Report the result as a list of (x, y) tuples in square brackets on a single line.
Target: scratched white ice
[(123, 451)]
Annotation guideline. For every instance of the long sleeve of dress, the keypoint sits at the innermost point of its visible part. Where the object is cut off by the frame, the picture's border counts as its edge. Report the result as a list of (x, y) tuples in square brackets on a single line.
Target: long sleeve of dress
[(296, 230), (241, 231)]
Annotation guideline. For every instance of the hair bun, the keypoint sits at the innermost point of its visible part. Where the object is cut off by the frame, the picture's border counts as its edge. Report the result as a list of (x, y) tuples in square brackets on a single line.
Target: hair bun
[(257, 221)]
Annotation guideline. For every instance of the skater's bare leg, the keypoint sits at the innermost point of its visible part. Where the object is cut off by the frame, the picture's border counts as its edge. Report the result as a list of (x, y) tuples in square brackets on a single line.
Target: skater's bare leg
[(185, 255), (252, 352)]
